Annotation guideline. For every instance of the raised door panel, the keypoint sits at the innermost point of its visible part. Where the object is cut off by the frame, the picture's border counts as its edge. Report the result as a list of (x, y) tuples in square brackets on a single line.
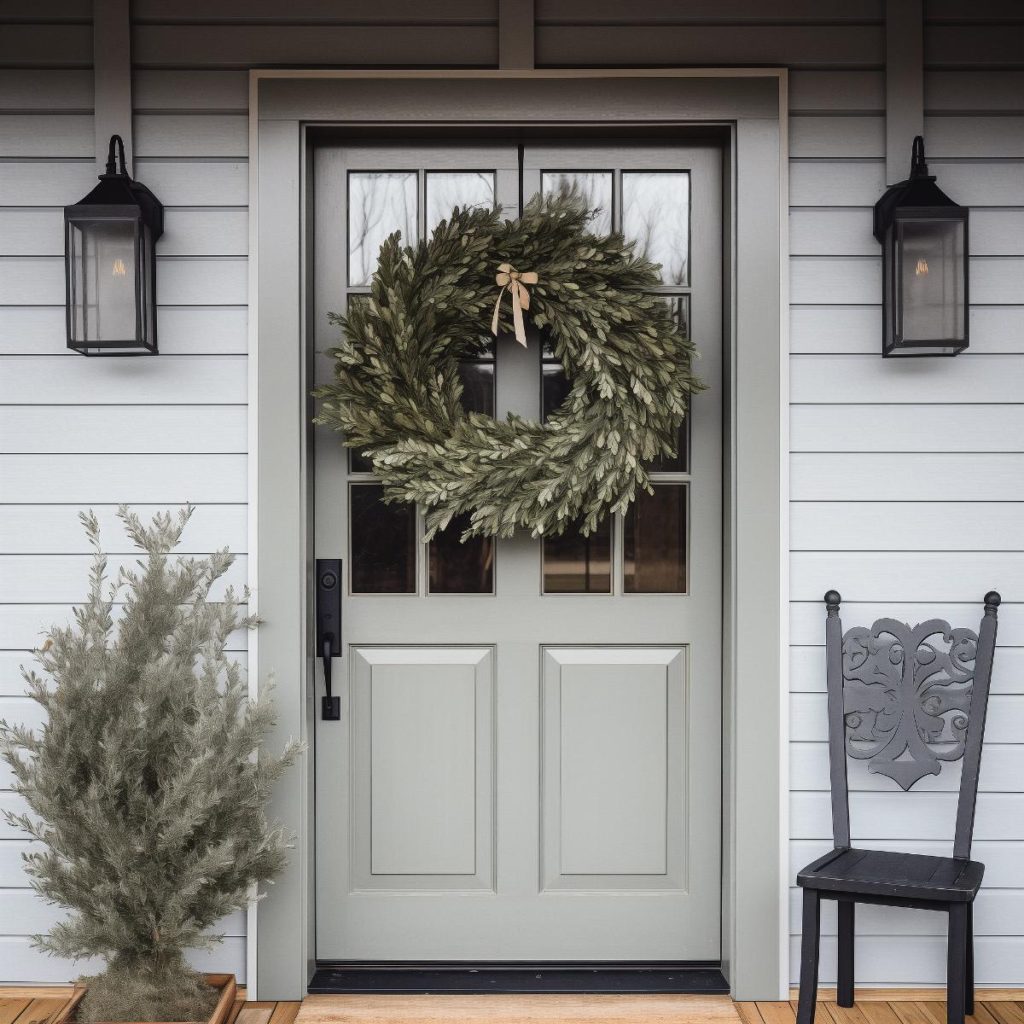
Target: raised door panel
[(422, 767), (613, 778)]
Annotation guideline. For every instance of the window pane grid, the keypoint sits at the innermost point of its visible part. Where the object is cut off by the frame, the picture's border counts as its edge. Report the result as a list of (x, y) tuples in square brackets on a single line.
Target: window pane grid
[(644, 550)]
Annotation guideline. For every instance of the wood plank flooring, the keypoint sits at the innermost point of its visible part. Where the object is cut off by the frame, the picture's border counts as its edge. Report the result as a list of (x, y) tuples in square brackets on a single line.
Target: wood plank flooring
[(908, 1006), (911, 1006), (48, 1006), (517, 1009)]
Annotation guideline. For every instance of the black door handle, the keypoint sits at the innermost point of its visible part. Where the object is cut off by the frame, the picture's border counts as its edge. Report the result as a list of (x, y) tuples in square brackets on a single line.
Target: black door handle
[(328, 629), (330, 706)]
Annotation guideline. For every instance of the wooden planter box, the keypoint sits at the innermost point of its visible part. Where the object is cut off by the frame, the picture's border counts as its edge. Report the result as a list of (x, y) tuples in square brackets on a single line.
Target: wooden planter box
[(224, 982)]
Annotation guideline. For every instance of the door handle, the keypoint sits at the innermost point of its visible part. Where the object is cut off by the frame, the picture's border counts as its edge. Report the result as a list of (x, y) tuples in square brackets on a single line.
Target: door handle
[(328, 629)]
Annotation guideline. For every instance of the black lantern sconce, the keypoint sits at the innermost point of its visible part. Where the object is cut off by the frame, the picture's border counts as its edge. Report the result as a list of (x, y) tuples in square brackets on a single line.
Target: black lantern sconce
[(110, 264), (924, 266)]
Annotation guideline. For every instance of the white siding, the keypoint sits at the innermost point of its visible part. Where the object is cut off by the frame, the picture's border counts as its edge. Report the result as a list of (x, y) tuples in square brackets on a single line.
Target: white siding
[(905, 479), (75, 432), (78, 433), (893, 466)]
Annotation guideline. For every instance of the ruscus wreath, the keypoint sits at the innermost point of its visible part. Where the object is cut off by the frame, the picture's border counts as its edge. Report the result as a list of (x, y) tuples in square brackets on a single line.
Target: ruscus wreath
[(396, 390)]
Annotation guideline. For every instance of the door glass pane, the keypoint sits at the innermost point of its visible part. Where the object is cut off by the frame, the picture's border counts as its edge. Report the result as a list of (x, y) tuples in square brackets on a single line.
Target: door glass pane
[(477, 385), (554, 388), (656, 215), (594, 186), (654, 540), (382, 543), (681, 462), (448, 189), (554, 385), (574, 564), (379, 202), (680, 306), (356, 462), (457, 568)]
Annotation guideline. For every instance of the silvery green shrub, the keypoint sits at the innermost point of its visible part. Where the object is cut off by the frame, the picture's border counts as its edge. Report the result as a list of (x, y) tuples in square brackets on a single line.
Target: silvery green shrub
[(148, 784)]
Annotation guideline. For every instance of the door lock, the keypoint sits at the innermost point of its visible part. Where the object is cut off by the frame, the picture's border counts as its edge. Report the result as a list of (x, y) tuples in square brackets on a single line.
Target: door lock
[(328, 629)]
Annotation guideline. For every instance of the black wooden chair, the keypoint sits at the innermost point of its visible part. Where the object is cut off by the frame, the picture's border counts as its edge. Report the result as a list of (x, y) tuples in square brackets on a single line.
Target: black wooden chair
[(905, 699)]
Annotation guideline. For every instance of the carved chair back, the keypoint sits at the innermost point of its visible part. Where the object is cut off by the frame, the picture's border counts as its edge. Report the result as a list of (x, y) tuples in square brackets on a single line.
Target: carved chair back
[(906, 700)]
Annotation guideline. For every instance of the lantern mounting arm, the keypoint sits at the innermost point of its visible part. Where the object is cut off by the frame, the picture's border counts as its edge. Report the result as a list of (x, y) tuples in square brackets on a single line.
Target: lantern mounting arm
[(919, 189), (112, 171), (918, 167)]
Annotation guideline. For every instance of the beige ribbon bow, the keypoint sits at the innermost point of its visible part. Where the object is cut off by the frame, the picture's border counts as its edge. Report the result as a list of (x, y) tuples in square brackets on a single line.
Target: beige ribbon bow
[(514, 283)]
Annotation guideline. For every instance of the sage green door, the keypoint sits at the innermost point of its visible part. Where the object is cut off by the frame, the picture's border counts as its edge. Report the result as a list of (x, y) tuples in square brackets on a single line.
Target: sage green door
[(528, 765)]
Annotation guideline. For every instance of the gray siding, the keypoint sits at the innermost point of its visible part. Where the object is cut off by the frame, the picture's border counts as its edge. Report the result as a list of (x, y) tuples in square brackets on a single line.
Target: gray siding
[(892, 465)]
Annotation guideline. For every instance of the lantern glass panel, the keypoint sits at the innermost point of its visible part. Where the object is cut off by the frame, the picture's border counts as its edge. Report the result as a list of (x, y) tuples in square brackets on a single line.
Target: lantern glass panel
[(105, 272), (930, 278), (147, 289)]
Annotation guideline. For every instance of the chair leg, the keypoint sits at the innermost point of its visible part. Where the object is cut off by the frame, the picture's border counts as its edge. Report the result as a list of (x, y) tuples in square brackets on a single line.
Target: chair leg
[(844, 986), (809, 957), (969, 994), (956, 964)]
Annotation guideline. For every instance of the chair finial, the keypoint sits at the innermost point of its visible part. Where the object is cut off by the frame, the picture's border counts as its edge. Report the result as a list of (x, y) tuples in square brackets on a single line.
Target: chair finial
[(832, 601), (992, 602)]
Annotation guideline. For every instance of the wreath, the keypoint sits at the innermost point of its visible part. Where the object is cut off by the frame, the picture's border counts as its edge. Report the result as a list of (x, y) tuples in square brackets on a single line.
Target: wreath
[(396, 390)]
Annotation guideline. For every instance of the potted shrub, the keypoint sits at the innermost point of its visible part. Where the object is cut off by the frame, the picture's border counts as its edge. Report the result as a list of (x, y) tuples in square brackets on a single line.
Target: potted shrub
[(147, 785)]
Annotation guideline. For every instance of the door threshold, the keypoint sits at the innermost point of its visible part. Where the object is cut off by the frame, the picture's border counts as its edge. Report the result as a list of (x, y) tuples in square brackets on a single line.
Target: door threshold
[(703, 977)]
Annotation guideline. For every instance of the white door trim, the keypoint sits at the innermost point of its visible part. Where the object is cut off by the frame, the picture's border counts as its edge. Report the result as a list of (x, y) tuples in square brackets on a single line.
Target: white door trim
[(752, 104)]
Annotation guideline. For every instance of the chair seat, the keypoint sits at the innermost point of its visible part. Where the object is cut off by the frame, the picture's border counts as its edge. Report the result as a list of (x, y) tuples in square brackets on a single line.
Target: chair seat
[(885, 874)]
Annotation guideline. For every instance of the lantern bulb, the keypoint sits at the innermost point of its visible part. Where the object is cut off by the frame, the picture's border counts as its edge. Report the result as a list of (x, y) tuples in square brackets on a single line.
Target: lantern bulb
[(922, 268), (120, 270)]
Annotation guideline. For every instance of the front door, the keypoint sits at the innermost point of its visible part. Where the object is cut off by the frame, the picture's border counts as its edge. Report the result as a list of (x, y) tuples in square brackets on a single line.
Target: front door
[(528, 764)]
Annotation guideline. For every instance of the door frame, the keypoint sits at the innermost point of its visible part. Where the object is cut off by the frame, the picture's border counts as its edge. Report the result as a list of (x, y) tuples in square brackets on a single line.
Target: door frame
[(750, 105)]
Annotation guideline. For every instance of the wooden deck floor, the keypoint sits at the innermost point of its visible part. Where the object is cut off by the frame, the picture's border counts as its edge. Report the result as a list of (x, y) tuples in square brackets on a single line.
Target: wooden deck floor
[(910, 1007), (43, 1006), (46, 1009)]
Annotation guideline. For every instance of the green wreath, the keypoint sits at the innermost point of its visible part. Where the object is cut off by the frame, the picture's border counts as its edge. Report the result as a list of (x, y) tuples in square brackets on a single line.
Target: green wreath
[(396, 392)]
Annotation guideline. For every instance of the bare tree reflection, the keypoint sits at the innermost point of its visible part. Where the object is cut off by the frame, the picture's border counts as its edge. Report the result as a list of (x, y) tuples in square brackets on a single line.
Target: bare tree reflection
[(379, 202), (594, 186), (656, 215), (448, 189)]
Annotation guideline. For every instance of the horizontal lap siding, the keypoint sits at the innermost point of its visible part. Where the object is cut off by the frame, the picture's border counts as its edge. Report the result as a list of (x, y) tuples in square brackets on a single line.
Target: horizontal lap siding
[(905, 477), (78, 434), (892, 466), (46, 160)]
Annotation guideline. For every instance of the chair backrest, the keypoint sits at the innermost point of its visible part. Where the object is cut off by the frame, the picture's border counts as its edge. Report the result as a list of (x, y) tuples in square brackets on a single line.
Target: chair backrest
[(906, 699)]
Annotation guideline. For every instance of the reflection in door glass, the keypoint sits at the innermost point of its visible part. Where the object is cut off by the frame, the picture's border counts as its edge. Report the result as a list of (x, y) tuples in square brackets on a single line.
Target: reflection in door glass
[(382, 543), (594, 186), (457, 568), (554, 385), (654, 541), (379, 202), (574, 564), (680, 306), (477, 385), (356, 462), (554, 388), (681, 462), (448, 189), (656, 215)]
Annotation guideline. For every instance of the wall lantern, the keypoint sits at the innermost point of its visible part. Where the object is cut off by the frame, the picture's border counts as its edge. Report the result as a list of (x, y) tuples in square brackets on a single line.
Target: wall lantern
[(110, 265), (924, 266)]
